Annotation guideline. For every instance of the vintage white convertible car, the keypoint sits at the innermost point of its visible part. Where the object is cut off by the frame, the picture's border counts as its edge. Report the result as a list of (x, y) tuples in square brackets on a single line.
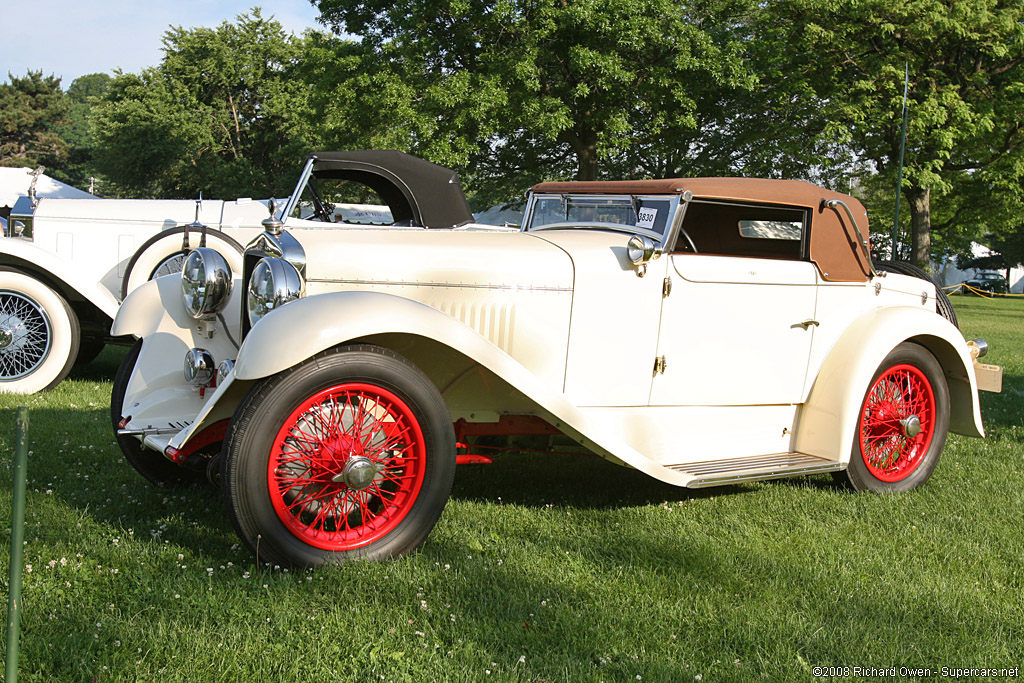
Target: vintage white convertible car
[(703, 331), (66, 264)]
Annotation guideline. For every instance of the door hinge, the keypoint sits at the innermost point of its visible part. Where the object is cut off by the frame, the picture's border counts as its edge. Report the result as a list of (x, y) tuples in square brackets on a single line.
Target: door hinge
[(659, 365), (666, 287)]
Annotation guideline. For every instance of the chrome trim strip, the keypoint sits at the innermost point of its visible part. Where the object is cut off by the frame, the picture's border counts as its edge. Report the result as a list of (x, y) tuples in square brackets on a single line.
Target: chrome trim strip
[(676, 228), (458, 285), (147, 431), (301, 185), (282, 245)]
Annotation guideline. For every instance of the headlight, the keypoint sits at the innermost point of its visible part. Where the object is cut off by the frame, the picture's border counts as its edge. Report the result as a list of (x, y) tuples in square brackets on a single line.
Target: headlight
[(639, 250), (224, 369), (274, 282), (205, 282), (199, 367)]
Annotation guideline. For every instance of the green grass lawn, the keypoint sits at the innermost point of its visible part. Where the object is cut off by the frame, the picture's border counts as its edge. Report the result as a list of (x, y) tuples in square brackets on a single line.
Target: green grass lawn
[(542, 568)]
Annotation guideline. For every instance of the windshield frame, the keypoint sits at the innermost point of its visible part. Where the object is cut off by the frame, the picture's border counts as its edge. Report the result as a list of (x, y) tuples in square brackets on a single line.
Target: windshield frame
[(674, 201)]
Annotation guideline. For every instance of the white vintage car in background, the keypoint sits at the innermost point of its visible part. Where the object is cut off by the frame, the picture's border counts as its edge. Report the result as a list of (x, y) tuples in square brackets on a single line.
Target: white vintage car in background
[(703, 331), (66, 264)]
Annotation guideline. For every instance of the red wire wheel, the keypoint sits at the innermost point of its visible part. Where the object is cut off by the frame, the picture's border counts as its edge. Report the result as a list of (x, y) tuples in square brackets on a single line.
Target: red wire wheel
[(897, 423), (346, 466), (349, 455)]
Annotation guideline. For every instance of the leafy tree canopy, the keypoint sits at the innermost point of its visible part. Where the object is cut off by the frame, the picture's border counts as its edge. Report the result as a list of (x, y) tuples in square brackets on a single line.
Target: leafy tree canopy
[(76, 130), (32, 107), (520, 89), (966, 62), (223, 114)]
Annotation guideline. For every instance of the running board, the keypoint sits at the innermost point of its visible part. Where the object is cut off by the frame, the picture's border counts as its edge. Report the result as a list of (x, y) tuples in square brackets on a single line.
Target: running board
[(719, 472)]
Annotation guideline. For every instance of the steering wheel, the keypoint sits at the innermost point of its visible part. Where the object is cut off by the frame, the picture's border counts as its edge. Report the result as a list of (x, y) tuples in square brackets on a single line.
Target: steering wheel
[(320, 207), (689, 240)]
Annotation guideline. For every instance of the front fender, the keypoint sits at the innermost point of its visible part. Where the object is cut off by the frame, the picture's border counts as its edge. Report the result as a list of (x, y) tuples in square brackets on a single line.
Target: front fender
[(303, 328), (151, 307), (828, 421), (27, 256), (155, 312)]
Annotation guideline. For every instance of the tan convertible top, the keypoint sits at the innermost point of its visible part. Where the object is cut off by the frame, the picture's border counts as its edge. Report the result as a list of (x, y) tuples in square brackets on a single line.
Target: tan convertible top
[(834, 242)]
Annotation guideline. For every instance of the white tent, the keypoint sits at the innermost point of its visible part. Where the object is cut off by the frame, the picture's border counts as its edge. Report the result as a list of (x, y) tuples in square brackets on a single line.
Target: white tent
[(14, 183)]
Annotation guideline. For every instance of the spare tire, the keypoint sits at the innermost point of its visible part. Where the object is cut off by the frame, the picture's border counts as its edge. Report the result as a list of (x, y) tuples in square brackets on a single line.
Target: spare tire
[(943, 305), (164, 249)]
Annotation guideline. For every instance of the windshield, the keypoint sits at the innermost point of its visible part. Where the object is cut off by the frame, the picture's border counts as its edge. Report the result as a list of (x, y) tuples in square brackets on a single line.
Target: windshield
[(646, 215), (329, 200)]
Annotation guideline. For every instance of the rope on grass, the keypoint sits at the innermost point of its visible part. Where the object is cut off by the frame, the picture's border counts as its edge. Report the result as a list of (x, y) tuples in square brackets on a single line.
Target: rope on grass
[(960, 289)]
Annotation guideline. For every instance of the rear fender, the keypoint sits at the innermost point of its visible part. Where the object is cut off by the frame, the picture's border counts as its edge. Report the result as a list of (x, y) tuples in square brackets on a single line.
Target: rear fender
[(827, 423), (25, 256)]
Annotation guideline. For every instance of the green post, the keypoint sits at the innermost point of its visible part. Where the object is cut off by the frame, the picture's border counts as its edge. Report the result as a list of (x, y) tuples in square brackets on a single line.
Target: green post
[(17, 541), (899, 172)]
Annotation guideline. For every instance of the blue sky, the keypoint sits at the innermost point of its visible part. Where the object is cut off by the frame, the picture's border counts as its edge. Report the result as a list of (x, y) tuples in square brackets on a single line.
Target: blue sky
[(70, 38)]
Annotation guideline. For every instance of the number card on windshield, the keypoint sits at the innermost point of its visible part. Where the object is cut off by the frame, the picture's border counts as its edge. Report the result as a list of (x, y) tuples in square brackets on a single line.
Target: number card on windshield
[(645, 218)]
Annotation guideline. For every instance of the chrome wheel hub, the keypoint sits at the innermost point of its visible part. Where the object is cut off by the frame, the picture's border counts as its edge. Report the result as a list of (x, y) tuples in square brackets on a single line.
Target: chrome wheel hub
[(25, 336), (911, 426), (358, 473)]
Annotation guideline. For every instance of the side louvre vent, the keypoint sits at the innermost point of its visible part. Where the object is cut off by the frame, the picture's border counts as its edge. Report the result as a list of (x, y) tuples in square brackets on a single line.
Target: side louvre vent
[(493, 321)]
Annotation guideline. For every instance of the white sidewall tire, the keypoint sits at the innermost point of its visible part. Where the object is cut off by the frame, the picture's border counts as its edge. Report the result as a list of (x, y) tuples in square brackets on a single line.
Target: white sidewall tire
[(63, 332), (160, 247)]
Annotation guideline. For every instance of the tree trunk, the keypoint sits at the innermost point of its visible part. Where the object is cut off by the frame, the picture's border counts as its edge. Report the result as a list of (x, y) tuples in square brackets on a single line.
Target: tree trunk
[(586, 155), (921, 226), (584, 144)]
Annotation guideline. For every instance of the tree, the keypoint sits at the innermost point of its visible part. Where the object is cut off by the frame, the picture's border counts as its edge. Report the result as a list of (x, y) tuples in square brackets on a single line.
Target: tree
[(82, 95), (520, 83), (966, 65), (224, 114), (31, 109)]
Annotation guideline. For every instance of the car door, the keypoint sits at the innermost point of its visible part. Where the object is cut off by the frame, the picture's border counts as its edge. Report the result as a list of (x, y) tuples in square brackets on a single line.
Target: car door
[(737, 329)]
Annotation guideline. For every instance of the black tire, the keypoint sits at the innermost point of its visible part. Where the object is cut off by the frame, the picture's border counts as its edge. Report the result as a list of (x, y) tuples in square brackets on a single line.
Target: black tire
[(913, 385), (146, 262), (39, 334), (278, 519), (150, 464), (942, 303)]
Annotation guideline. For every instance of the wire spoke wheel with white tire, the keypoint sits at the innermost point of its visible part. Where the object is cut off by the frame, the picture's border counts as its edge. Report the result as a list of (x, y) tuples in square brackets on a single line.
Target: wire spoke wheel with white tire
[(350, 455), (902, 424), (39, 335)]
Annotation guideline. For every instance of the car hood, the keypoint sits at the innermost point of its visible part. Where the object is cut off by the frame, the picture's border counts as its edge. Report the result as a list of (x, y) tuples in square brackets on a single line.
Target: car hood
[(160, 212), (452, 258)]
